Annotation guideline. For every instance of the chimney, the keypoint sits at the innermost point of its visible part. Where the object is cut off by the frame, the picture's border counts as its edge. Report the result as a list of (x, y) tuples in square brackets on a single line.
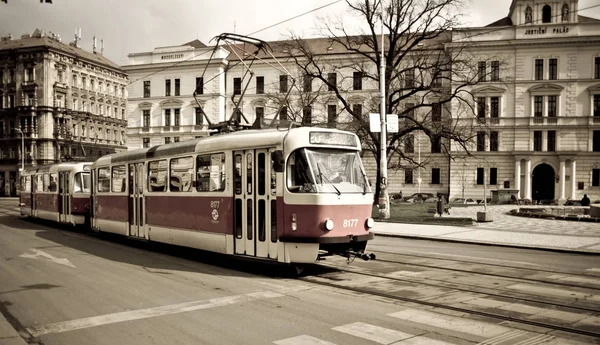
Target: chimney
[(94, 50), (102, 47)]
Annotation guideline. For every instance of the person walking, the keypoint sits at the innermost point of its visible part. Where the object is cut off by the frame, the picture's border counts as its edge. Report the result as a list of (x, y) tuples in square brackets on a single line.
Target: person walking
[(585, 201)]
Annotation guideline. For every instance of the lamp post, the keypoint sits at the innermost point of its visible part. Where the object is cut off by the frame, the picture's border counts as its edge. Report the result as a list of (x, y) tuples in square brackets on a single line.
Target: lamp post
[(384, 199)]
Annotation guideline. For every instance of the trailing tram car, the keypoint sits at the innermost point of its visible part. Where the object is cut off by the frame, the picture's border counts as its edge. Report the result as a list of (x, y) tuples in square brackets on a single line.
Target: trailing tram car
[(288, 195), (57, 192)]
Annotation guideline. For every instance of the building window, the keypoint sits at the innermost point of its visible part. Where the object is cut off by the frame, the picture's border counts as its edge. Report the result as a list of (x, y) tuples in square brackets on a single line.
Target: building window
[(436, 112), (146, 118), (595, 178), (199, 86), (528, 15), (436, 78), (409, 78), (481, 107), (168, 87), (494, 143), (145, 142), (177, 87), (283, 116), (597, 67), (167, 117), (331, 115), (539, 69), (167, 140), (494, 107), (177, 117), (146, 88), (307, 83), (538, 102), (551, 106), (493, 176), (480, 141), (199, 117), (176, 139), (495, 76), (237, 86), (565, 13), (537, 141), (11, 76), (331, 81), (283, 83), (357, 109), (481, 71), (596, 141), (408, 176), (551, 141), (547, 14), (260, 85), (409, 144), (307, 115), (435, 175), (357, 80), (596, 105), (29, 74), (553, 69), (436, 145), (480, 175), (260, 112)]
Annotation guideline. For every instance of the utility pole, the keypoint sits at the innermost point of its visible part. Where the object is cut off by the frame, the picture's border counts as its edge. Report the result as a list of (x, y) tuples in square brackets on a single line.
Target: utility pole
[(22, 150), (384, 198)]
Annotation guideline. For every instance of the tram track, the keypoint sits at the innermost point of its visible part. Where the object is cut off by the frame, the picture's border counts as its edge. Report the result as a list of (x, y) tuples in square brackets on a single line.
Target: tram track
[(323, 280)]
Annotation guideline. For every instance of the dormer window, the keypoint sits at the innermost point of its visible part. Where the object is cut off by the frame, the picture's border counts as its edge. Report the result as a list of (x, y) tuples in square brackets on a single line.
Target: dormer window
[(546, 14), (528, 15), (564, 13)]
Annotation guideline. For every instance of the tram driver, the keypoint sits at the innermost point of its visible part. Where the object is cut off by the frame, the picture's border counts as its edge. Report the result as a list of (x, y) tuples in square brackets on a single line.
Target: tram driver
[(299, 174)]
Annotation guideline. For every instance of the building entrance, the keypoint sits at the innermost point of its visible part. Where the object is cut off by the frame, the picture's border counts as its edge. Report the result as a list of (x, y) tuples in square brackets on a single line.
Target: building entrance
[(542, 186)]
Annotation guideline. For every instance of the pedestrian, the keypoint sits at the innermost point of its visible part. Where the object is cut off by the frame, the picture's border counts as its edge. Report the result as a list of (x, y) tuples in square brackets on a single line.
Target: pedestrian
[(440, 205), (585, 201)]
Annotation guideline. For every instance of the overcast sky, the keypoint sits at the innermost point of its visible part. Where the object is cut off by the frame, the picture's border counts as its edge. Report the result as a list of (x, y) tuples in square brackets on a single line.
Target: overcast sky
[(131, 26)]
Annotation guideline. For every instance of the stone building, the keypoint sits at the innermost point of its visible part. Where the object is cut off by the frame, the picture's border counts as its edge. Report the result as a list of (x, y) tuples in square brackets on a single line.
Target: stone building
[(60, 102)]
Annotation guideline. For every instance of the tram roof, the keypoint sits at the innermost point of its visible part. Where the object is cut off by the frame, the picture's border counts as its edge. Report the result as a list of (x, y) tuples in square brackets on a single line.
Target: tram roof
[(245, 139), (66, 166)]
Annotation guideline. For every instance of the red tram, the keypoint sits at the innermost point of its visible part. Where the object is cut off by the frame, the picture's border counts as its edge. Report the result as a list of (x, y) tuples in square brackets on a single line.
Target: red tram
[(58, 192), (286, 195)]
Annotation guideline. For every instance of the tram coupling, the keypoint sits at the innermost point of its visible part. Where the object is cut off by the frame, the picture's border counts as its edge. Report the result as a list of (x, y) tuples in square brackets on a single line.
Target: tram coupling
[(361, 255)]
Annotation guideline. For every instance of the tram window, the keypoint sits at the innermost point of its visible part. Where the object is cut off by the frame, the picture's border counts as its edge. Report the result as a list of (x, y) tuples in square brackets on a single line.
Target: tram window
[(104, 180), (81, 183), (157, 176), (210, 173), (273, 179), (46, 182), (119, 175), (238, 174), (39, 184), (249, 169), (53, 185), (181, 174), (299, 175), (273, 221), (261, 174), (26, 187)]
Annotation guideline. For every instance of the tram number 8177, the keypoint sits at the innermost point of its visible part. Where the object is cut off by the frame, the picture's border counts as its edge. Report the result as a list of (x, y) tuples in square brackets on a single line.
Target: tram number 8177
[(350, 223)]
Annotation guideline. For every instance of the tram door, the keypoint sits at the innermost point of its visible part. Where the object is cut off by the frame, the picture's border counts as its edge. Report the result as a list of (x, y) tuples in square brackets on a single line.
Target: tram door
[(136, 201), (34, 187), (64, 197), (253, 194)]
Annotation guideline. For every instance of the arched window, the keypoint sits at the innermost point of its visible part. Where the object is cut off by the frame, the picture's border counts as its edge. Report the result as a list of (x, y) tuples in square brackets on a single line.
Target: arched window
[(546, 14), (565, 13), (528, 15)]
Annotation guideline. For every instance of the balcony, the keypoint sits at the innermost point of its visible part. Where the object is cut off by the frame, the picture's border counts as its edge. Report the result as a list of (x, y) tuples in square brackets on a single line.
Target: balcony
[(595, 120)]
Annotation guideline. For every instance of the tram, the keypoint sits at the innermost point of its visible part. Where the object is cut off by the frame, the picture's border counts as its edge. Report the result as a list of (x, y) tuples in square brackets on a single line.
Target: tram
[(57, 192), (288, 195)]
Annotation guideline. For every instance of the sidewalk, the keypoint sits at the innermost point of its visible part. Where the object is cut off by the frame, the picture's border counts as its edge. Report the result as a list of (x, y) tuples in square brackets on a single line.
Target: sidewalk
[(504, 230)]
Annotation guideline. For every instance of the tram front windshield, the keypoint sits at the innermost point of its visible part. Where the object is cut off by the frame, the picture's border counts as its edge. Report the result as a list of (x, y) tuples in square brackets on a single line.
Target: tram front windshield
[(82, 183), (312, 170)]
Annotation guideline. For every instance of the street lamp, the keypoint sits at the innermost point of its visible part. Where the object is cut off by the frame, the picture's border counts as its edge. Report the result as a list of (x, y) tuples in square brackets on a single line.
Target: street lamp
[(384, 199)]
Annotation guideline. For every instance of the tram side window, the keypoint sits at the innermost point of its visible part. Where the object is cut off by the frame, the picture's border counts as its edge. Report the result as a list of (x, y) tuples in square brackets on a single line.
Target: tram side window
[(46, 182), (182, 170), (119, 174), (39, 183), (53, 185), (210, 173), (104, 180), (81, 183), (157, 176), (26, 183)]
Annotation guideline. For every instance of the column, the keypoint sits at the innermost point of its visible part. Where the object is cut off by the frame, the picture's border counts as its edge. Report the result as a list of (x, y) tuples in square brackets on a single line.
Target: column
[(527, 194), (544, 141), (573, 180), (518, 178), (561, 184)]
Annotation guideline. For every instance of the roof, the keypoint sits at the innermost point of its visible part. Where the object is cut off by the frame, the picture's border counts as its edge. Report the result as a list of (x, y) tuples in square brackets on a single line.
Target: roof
[(195, 43), (506, 21), (51, 43), (584, 19)]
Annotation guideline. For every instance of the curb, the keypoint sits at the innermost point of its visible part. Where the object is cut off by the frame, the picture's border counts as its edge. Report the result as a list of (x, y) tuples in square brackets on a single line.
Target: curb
[(8, 334), (517, 246)]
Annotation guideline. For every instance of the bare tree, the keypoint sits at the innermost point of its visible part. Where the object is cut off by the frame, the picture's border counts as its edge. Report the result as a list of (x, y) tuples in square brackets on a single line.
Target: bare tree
[(426, 84)]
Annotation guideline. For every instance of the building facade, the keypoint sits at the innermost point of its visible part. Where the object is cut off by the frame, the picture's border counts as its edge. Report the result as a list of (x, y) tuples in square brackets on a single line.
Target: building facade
[(535, 111), (58, 103), (162, 107)]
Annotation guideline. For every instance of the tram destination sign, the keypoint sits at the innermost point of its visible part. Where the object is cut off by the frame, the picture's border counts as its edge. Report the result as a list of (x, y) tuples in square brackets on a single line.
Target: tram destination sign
[(332, 138)]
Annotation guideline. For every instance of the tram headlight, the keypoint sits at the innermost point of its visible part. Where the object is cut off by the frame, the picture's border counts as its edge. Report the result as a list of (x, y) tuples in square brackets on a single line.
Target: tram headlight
[(370, 223), (329, 224)]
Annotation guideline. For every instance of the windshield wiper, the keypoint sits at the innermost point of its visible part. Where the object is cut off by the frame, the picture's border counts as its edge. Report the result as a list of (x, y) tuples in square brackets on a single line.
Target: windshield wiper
[(364, 182), (327, 179)]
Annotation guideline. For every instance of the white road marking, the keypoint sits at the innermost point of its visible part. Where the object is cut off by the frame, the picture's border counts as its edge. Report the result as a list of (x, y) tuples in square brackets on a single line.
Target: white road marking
[(423, 341), (453, 323), (302, 340), (503, 261), (94, 321), (593, 270), (373, 333), (512, 335), (554, 292), (565, 278), (40, 253)]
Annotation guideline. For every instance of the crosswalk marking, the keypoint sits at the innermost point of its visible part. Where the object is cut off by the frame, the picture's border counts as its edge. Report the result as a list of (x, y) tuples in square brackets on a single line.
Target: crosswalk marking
[(423, 341), (571, 279), (373, 333), (538, 339), (302, 340), (479, 328), (593, 270), (527, 309), (503, 337), (548, 291)]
